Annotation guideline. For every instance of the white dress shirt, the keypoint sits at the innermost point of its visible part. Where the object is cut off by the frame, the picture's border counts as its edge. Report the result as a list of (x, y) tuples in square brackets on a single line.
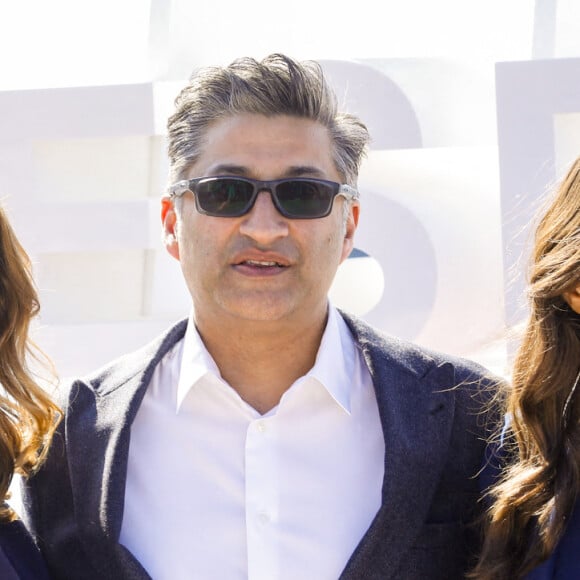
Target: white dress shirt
[(217, 491)]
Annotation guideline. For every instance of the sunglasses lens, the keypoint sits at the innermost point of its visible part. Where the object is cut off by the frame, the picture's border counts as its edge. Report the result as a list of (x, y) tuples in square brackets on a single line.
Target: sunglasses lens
[(224, 197), (295, 198), (305, 198)]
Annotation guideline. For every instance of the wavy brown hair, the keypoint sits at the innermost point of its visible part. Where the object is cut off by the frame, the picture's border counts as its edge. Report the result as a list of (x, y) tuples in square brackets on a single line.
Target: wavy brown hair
[(28, 416), (535, 497)]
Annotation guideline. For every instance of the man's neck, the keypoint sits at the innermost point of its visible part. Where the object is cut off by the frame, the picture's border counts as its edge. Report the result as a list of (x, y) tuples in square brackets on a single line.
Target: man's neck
[(261, 360)]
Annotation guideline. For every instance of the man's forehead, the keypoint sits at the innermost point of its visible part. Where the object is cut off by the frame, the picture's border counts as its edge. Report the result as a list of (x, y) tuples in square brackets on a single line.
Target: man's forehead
[(256, 145)]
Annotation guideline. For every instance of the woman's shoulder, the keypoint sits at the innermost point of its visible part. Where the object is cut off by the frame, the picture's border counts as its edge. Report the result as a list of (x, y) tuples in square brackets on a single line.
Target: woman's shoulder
[(19, 556)]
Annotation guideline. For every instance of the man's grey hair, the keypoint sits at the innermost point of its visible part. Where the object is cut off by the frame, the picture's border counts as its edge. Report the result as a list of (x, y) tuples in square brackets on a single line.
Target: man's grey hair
[(277, 85)]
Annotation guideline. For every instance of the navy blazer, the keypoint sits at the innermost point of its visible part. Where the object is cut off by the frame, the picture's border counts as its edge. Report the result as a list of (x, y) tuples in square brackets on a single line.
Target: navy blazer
[(564, 563), (19, 556), (432, 412)]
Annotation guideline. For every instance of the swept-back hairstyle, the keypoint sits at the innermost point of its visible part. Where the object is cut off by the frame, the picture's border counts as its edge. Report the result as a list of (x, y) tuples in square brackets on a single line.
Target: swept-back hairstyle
[(277, 85), (535, 497), (28, 416)]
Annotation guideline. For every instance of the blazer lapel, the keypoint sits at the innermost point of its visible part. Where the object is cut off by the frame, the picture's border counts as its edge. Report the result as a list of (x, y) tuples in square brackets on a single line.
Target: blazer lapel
[(416, 412), (98, 438)]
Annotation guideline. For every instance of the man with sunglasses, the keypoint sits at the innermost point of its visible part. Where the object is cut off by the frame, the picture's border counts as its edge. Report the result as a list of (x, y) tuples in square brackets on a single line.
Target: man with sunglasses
[(268, 435)]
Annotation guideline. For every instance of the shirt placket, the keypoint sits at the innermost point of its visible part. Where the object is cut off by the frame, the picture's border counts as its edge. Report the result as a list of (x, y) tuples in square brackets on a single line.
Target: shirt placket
[(262, 500)]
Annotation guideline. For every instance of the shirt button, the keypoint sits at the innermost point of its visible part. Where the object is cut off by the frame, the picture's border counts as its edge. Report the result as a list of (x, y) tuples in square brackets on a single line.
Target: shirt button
[(263, 518), (261, 426)]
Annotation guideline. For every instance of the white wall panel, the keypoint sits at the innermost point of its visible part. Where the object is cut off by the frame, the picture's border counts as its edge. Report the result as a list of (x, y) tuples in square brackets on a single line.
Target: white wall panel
[(106, 169), (88, 287)]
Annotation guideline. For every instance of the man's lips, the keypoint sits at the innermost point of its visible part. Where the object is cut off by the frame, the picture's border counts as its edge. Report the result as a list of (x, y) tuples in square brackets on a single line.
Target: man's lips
[(253, 263)]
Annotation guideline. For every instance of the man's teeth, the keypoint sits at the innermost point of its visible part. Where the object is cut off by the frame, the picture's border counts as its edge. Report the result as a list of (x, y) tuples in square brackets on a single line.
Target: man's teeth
[(262, 264)]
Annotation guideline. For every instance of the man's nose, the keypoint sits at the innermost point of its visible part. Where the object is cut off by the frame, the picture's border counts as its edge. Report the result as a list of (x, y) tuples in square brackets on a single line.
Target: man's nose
[(264, 223)]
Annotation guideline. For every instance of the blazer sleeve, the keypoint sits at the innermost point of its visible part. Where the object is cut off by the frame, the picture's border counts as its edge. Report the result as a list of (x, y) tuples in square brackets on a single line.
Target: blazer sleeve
[(19, 557), (49, 506)]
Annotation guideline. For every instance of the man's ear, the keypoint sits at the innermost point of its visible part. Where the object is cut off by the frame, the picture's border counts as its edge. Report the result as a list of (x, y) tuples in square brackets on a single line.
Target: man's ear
[(572, 297), (169, 221), (351, 225)]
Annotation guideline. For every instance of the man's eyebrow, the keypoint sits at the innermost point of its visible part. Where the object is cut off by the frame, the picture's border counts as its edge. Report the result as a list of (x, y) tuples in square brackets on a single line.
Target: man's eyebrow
[(300, 170), (228, 169), (241, 170)]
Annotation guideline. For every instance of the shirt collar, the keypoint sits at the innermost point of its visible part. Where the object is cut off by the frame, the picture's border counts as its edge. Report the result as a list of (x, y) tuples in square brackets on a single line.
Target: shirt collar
[(335, 361), (333, 368), (196, 362)]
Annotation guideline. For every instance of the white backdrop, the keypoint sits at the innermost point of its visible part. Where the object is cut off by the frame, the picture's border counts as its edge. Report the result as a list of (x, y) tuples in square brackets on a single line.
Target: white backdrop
[(474, 109)]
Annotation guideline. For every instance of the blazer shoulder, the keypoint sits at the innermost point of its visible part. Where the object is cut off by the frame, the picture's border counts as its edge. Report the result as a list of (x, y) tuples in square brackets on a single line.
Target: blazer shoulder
[(122, 369), (415, 359)]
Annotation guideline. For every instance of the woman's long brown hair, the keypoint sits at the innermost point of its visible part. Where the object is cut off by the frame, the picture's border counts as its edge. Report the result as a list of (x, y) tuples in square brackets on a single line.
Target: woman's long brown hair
[(28, 416), (534, 499)]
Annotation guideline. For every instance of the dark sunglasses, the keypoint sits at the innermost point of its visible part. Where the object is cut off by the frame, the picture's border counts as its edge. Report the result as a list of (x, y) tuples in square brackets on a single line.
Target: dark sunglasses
[(294, 198)]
